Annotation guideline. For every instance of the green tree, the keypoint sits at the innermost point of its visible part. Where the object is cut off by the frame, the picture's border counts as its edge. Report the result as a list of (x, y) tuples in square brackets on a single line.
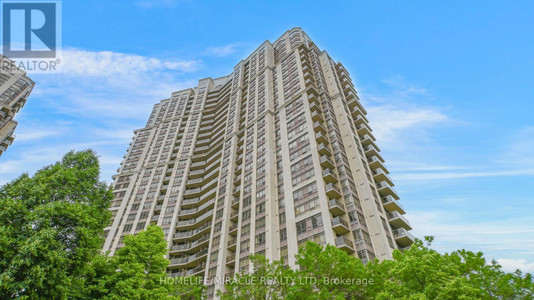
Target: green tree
[(328, 273), (51, 226), (138, 271), (139, 268), (418, 273), (270, 280)]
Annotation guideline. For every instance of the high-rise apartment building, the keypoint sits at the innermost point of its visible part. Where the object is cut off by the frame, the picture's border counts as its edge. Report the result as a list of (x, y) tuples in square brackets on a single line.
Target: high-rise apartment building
[(15, 87), (277, 153)]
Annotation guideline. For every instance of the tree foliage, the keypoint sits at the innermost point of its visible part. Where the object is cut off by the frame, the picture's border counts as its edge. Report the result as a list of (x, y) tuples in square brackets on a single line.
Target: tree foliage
[(51, 226), (418, 273)]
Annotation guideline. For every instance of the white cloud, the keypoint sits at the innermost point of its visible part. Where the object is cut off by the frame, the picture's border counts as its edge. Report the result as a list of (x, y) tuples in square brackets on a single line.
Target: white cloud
[(455, 175), (109, 64), (461, 229), (391, 122), (103, 83), (510, 265), (222, 50), (96, 102), (36, 134)]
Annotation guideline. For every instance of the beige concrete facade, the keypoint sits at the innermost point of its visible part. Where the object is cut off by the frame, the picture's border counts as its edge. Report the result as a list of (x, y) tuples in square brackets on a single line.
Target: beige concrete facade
[(15, 88), (260, 161)]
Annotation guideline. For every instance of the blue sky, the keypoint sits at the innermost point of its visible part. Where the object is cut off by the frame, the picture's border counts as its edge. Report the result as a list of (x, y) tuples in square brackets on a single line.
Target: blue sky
[(448, 86)]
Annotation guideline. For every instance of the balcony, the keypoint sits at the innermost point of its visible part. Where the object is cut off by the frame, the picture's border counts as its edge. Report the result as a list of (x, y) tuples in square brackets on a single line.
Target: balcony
[(332, 191), (322, 148), (191, 272), (321, 138), (390, 204), (403, 237), (232, 230), (232, 243), (367, 139), (191, 246), (191, 234), (376, 162), (235, 202), (380, 175), (359, 118), (195, 222), (318, 127), (385, 189), (398, 221), (344, 244), (192, 192), (312, 96), (230, 260), (329, 175), (189, 261), (371, 150), (340, 226), (326, 162), (236, 191), (315, 107), (363, 128), (316, 116), (193, 212), (234, 216), (336, 207)]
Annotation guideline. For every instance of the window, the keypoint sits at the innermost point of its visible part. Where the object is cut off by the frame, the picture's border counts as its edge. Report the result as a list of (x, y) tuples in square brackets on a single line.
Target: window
[(301, 227)]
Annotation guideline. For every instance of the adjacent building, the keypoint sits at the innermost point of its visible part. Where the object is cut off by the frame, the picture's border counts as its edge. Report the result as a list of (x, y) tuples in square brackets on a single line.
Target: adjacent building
[(15, 87), (277, 153)]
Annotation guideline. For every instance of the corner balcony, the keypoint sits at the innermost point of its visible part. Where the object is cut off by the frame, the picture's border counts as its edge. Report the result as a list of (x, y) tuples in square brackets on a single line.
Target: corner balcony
[(332, 191), (321, 138), (380, 175), (403, 237), (232, 230), (232, 243), (230, 260), (236, 191), (192, 234), (336, 207), (340, 226), (344, 244), (315, 107), (196, 211), (323, 149), (371, 150), (316, 116), (235, 203), (359, 118), (234, 216), (203, 241), (191, 272), (329, 175), (385, 189), (398, 221), (197, 222), (375, 162), (189, 261), (390, 204), (318, 127), (312, 96), (326, 162), (363, 128), (367, 139)]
